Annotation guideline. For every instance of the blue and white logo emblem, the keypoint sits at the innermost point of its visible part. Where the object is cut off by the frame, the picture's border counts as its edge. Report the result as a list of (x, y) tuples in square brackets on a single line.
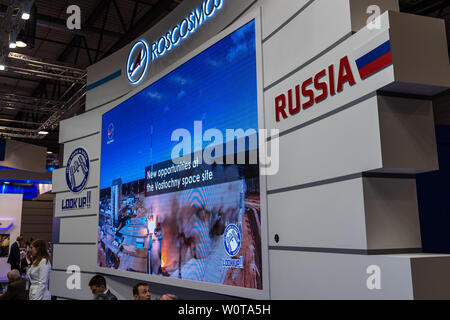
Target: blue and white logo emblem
[(232, 240), (137, 62), (77, 170), (110, 131)]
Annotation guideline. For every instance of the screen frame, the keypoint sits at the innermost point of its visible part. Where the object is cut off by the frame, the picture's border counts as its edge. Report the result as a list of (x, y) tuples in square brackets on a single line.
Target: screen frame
[(264, 293)]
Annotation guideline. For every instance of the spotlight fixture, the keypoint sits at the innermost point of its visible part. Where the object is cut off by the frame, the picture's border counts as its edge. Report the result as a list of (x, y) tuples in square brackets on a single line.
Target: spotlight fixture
[(20, 44), (26, 9), (12, 40), (2, 60)]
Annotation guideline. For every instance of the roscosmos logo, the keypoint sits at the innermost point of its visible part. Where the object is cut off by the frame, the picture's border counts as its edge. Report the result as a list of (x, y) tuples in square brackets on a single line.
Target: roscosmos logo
[(137, 62)]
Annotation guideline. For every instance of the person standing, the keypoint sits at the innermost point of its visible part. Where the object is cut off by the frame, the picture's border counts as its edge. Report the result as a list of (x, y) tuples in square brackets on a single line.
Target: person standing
[(14, 254), (25, 261), (39, 272)]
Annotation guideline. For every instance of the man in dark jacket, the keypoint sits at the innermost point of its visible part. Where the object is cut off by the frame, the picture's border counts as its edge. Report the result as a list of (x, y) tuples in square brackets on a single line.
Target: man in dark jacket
[(14, 254), (16, 287), (98, 286)]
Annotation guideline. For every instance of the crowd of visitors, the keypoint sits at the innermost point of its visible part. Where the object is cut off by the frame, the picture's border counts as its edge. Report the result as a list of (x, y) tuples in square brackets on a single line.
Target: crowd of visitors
[(30, 272)]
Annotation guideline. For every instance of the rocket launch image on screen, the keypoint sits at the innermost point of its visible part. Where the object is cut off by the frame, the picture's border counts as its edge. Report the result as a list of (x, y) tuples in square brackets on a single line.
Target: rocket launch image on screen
[(181, 216)]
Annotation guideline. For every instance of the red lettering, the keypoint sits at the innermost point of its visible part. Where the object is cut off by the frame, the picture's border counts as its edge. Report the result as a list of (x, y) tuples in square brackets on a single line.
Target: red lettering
[(308, 93), (345, 74), (331, 76), (294, 110), (280, 105), (321, 86)]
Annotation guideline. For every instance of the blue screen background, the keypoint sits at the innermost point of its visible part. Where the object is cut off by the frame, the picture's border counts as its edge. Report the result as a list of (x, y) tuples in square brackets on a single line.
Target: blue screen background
[(217, 87)]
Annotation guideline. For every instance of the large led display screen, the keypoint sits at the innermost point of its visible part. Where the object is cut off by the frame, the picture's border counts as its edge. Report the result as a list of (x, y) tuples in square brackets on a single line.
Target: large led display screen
[(180, 184)]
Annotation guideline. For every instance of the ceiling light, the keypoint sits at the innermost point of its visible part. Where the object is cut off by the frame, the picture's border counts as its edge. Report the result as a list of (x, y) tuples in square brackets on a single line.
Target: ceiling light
[(2, 67), (12, 45), (43, 132), (25, 16), (20, 44), (49, 152)]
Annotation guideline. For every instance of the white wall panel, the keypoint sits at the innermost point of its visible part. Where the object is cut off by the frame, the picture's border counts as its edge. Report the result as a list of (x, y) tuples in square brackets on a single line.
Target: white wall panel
[(93, 210), (84, 256), (276, 13), (362, 213), (325, 216), (91, 144), (58, 286), (348, 95), (345, 143), (304, 37), (80, 126), (79, 229), (308, 275)]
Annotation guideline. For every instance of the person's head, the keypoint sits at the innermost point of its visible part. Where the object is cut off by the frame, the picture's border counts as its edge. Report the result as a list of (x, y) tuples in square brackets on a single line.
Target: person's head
[(97, 284), (141, 291), (168, 296), (19, 239), (39, 251), (13, 275), (101, 296)]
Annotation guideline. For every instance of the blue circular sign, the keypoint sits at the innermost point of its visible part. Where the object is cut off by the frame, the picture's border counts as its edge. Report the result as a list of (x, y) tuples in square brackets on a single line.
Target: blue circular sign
[(137, 62), (77, 170), (232, 240)]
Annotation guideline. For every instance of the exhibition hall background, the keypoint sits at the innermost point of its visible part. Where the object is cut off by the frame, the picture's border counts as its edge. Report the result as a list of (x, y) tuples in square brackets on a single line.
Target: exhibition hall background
[(363, 172)]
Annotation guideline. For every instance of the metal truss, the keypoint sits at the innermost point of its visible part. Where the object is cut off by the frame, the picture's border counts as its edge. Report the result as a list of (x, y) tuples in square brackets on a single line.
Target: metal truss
[(34, 67), (57, 111), (43, 108)]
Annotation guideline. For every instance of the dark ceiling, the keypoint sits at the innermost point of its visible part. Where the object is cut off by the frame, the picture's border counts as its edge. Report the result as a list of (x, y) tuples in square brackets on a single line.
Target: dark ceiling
[(107, 25)]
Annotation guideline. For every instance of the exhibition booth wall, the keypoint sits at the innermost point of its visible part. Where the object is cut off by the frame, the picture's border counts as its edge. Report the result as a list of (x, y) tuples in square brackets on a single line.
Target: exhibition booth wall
[(353, 109), (10, 223)]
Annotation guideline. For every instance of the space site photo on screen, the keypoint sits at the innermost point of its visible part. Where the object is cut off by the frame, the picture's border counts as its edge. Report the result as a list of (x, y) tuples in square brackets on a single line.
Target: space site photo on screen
[(183, 217)]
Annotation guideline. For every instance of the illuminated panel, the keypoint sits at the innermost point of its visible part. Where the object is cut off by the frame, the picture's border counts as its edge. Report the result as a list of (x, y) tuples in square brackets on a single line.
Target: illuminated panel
[(187, 219)]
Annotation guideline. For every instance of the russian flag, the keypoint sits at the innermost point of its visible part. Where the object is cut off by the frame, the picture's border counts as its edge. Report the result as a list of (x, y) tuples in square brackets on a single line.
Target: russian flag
[(374, 55)]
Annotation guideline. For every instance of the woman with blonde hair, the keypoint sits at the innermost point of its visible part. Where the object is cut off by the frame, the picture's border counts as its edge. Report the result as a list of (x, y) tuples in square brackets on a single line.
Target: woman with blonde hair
[(39, 272)]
